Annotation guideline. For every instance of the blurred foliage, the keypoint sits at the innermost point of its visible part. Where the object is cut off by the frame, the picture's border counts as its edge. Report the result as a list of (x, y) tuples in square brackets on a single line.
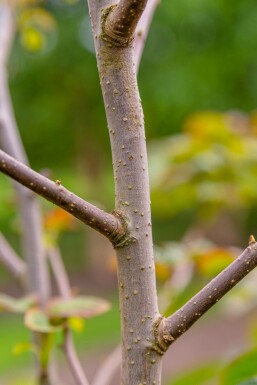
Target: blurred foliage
[(240, 371), (200, 56), (191, 265), (199, 376), (209, 166), (15, 339), (242, 368), (36, 29)]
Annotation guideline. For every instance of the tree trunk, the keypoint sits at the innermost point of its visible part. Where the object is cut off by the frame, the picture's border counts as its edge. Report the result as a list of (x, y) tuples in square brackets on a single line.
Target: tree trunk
[(141, 364)]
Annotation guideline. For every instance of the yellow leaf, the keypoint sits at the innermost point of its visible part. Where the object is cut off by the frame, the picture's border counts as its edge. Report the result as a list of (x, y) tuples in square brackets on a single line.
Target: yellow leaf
[(32, 39), (163, 271), (71, 2), (76, 324), (21, 348), (112, 264), (58, 220), (36, 16), (211, 262), (205, 124)]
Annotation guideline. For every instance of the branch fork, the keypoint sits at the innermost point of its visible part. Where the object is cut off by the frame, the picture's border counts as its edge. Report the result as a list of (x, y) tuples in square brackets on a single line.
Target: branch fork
[(113, 226), (120, 21)]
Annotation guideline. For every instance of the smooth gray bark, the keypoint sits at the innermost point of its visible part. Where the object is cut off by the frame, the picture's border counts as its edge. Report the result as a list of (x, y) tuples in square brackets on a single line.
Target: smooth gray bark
[(31, 221), (8, 257), (141, 364)]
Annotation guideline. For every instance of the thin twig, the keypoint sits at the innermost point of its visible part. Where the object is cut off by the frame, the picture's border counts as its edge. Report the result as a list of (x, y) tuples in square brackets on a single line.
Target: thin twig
[(142, 30), (108, 367), (63, 285), (121, 22), (72, 358), (59, 272), (8, 257), (107, 224), (174, 326)]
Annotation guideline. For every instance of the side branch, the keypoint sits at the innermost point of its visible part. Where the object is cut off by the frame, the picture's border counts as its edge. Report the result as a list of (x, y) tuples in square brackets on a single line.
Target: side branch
[(174, 326), (121, 22), (142, 30), (108, 224), (16, 266)]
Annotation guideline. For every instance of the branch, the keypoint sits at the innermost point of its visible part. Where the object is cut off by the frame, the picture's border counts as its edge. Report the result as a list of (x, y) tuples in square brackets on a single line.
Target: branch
[(9, 133), (31, 220), (135, 265), (7, 33), (72, 358), (108, 368), (11, 261), (59, 272), (108, 224), (121, 22), (174, 326), (63, 285), (142, 30)]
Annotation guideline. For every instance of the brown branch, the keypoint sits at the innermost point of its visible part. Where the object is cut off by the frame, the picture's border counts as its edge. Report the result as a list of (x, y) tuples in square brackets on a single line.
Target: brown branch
[(108, 224), (174, 326), (122, 20), (8, 257), (142, 30)]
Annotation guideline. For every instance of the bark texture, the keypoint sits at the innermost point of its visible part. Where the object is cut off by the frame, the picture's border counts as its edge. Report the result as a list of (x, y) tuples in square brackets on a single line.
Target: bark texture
[(122, 21), (108, 224), (173, 327), (136, 272)]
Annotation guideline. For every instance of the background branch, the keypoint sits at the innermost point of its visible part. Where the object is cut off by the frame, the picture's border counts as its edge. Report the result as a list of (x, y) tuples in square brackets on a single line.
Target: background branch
[(63, 285), (31, 220), (142, 30), (174, 326), (105, 223), (11, 261), (59, 272), (108, 367)]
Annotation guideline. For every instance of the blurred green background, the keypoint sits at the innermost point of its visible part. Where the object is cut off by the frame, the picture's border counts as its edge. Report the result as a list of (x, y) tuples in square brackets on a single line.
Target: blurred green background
[(198, 82)]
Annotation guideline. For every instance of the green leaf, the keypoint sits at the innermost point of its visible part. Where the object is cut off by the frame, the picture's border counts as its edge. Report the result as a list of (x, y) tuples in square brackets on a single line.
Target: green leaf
[(83, 306), (249, 382), (16, 305), (242, 368), (38, 321), (22, 347), (197, 377), (46, 344)]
